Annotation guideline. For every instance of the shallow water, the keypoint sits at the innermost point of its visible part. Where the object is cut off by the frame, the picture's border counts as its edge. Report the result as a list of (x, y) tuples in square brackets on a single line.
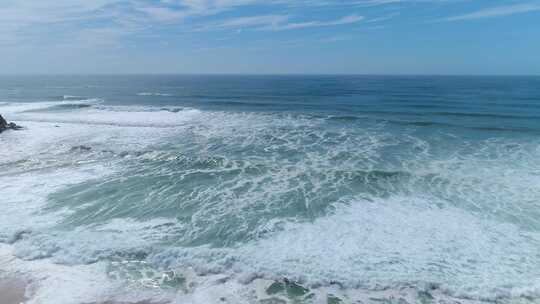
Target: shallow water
[(203, 189)]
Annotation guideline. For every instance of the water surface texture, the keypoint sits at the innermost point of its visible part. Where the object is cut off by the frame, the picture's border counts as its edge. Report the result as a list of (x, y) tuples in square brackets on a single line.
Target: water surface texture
[(272, 189)]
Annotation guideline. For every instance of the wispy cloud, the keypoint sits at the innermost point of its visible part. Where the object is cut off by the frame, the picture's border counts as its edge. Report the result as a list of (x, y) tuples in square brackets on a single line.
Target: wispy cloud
[(163, 14), (384, 18), (298, 25), (280, 23), (49, 21), (253, 21), (48, 11), (498, 11)]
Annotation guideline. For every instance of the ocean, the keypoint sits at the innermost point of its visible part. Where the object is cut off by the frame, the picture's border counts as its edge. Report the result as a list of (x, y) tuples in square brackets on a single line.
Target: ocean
[(271, 189)]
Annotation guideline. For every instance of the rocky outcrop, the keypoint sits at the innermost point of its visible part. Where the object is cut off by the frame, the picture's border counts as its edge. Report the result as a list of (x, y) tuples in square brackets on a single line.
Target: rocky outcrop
[(4, 125)]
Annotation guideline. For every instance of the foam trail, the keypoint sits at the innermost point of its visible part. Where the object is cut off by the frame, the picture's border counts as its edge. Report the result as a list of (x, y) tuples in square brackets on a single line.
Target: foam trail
[(154, 94)]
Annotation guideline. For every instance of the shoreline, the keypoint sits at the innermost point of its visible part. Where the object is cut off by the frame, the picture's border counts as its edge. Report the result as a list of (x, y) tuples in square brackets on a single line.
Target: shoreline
[(12, 291), (18, 285)]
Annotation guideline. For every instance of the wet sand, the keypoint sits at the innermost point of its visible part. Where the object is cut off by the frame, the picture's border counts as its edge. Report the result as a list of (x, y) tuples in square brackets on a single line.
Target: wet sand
[(140, 302), (12, 291)]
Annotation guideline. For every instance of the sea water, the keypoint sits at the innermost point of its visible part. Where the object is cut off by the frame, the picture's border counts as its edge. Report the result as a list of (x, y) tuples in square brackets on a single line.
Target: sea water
[(272, 189)]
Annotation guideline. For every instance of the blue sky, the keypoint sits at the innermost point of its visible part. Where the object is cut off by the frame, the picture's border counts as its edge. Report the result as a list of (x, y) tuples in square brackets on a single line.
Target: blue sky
[(270, 36)]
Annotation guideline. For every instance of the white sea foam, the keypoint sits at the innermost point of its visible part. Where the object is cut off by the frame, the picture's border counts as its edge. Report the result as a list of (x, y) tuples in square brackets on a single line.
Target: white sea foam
[(366, 245), (402, 239), (24, 195), (447, 219), (52, 283), (41, 160)]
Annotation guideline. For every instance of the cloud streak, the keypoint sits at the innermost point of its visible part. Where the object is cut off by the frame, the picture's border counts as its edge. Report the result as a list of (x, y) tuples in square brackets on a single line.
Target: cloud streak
[(32, 22), (350, 19), (280, 23), (498, 11)]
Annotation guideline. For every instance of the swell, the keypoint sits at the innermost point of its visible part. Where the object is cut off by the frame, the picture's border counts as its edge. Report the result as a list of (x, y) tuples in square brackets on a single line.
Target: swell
[(453, 126), (485, 115), (61, 107)]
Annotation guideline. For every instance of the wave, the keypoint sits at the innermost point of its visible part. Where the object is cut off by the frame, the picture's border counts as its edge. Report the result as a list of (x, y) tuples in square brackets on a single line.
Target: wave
[(484, 115), (344, 118), (154, 94), (428, 114), (73, 97), (468, 126), (67, 106), (14, 108), (112, 118), (90, 111)]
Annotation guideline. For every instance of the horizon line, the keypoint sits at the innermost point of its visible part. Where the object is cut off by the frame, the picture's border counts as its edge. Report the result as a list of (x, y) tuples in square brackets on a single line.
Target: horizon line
[(275, 74)]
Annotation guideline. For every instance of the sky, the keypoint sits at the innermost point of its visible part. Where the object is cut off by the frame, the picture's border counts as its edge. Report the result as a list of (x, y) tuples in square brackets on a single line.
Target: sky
[(486, 37)]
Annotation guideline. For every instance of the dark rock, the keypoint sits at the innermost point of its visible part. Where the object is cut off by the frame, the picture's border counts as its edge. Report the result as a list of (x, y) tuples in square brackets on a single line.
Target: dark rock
[(81, 148), (4, 125), (13, 126)]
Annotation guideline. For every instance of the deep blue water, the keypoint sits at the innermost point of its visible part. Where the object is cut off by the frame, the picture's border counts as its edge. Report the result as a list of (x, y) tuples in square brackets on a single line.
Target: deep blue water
[(426, 187), (497, 103)]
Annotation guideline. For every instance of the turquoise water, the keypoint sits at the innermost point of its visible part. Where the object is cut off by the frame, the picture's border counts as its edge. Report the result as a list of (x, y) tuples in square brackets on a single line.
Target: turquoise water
[(246, 189)]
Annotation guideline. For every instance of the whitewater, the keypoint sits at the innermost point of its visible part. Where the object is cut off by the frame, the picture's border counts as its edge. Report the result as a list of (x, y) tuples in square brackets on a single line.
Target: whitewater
[(169, 202)]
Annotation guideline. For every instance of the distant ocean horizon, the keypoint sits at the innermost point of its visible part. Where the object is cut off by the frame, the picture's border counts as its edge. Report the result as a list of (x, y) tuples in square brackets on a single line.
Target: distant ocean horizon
[(240, 74), (215, 188)]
